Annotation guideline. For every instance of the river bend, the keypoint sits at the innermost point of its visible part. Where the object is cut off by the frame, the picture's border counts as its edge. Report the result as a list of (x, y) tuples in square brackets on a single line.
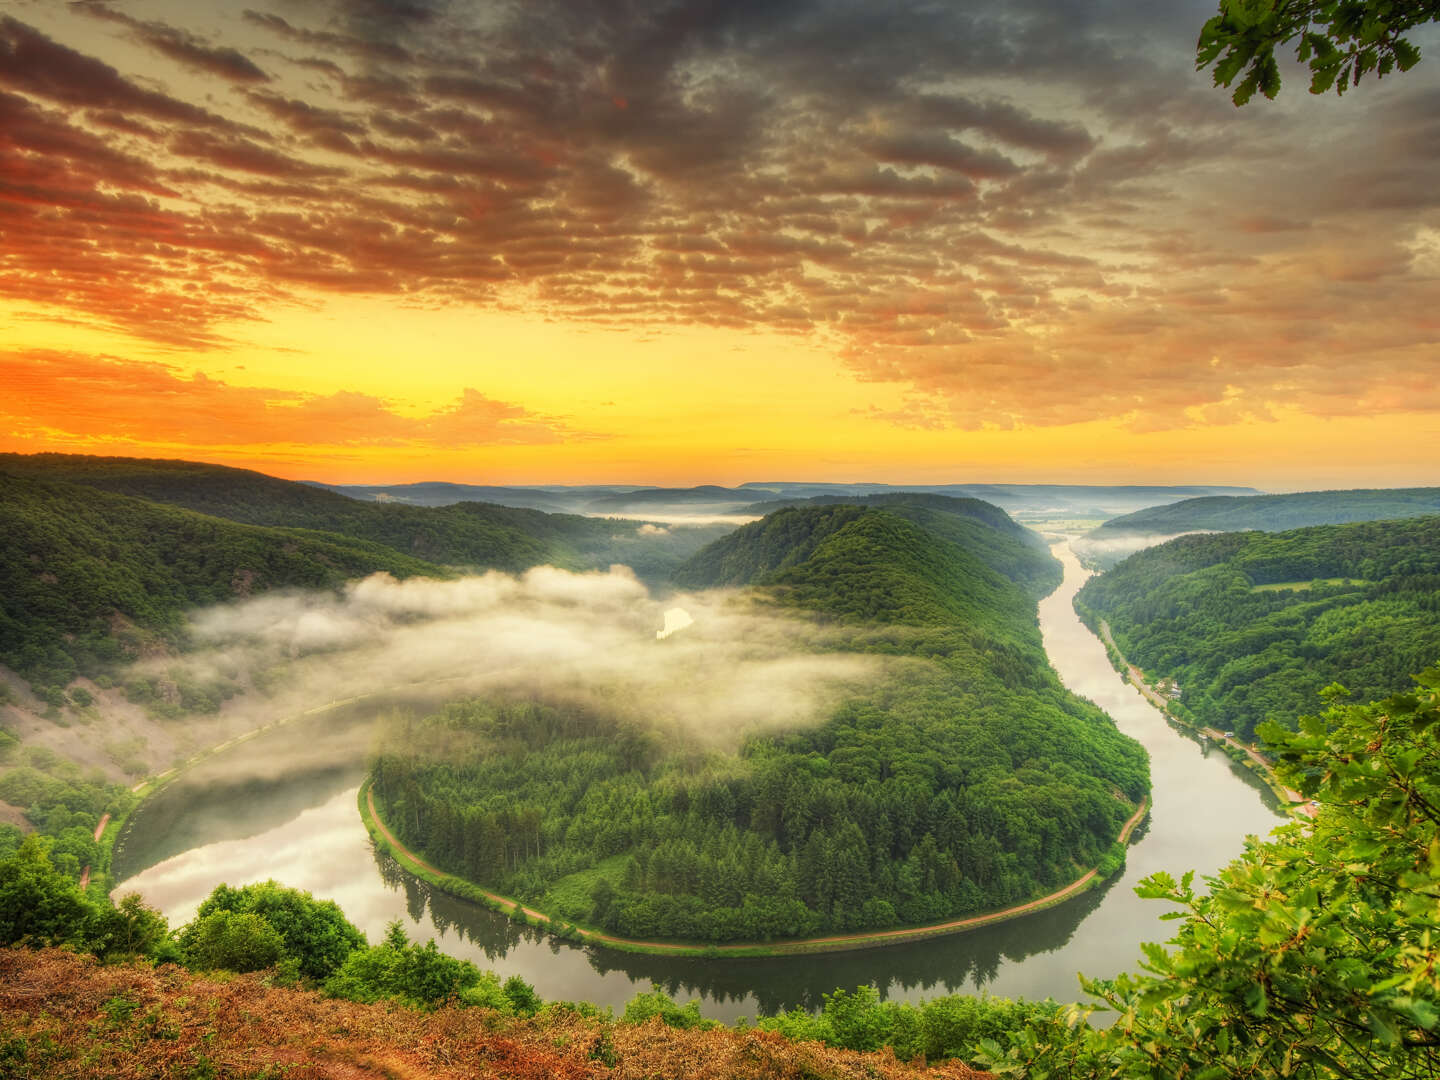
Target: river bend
[(227, 821)]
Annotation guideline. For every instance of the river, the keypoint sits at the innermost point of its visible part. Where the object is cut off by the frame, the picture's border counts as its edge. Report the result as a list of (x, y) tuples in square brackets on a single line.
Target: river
[(227, 821)]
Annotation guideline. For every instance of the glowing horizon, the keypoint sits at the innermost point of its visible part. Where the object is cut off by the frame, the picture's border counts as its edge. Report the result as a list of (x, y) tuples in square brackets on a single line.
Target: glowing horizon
[(362, 242)]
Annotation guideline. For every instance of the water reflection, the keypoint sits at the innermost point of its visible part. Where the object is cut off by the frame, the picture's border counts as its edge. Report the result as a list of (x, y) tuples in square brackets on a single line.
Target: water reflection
[(228, 822)]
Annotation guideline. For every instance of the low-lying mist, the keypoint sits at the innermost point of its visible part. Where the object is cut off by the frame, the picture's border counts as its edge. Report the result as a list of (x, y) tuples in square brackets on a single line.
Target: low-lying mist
[(1103, 552), (586, 638)]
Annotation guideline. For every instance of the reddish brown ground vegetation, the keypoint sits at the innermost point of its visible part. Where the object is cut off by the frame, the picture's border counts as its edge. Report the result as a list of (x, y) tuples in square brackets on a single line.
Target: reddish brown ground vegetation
[(64, 1015)]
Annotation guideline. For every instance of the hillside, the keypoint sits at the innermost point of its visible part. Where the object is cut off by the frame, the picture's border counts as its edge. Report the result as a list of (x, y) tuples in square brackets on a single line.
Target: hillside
[(1272, 513), (965, 779), (89, 578), (63, 1015), (1254, 625), (882, 567), (979, 527), (469, 535), (1337, 916)]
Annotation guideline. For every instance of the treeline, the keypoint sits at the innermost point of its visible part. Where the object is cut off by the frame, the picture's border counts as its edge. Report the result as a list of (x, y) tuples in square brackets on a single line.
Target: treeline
[(468, 535), (1254, 625), (970, 781), (1272, 513), (263, 926), (90, 580)]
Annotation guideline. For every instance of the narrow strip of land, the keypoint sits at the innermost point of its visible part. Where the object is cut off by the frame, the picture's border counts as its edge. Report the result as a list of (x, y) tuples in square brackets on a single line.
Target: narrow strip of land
[(1264, 762), (820, 944), (99, 832), (1137, 677)]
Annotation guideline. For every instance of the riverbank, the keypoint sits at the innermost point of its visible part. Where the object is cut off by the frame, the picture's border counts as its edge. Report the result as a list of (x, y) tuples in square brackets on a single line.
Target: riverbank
[(112, 832), (1293, 802), (417, 867)]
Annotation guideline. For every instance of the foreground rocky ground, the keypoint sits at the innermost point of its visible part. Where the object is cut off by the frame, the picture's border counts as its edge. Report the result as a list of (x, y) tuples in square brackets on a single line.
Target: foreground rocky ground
[(66, 1015)]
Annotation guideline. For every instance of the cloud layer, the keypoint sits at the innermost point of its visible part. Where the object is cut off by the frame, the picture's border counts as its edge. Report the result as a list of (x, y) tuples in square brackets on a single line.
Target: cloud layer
[(1028, 213), (587, 637), (115, 399)]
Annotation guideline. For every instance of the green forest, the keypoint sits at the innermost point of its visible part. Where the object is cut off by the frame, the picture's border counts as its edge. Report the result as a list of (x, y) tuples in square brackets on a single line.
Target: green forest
[(783, 539), (468, 535), (100, 558), (1254, 625), (90, 580), (971, 781), (1313, 954), (1272, 513)]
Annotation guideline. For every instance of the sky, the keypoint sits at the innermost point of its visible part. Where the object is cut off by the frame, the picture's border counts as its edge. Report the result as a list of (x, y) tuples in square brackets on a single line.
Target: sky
[(709, 241)]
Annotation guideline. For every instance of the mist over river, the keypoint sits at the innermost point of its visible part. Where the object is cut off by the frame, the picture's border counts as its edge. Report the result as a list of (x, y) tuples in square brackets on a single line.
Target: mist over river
[(225, 822)]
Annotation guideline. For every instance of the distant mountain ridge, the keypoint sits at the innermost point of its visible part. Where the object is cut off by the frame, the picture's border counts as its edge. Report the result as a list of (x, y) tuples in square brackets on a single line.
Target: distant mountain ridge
[(1031, 500), (101, 556), (467, 534), (1271, 513)]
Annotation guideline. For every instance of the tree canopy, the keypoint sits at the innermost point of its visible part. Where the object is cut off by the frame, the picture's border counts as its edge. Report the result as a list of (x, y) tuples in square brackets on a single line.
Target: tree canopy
[(1254, 625), (966, 779), (1342, 41)]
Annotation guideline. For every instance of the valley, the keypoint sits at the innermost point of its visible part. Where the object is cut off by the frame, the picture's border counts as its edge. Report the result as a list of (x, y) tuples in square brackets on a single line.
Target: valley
[(875, 746), (196, 835)]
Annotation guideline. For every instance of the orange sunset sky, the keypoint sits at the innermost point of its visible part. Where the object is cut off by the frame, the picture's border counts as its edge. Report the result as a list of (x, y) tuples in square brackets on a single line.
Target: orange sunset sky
[(677, 242)]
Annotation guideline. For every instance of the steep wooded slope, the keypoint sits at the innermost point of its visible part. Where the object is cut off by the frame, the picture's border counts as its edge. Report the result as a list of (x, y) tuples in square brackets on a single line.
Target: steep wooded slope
[(1254, 625), (88, 578)]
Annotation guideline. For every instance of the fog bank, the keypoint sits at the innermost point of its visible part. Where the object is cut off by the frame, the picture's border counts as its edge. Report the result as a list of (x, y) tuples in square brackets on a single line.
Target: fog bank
[(587, 637)]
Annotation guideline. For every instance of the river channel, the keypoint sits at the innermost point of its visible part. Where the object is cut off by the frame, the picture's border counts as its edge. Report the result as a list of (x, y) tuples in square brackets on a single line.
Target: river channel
[(228, 821)]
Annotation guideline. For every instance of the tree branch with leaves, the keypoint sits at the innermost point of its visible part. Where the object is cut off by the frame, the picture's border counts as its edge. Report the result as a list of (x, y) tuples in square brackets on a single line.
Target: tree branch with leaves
[(1342, 41)]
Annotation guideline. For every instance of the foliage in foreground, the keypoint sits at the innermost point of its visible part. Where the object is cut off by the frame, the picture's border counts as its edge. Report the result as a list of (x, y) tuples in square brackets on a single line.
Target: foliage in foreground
[(68, 1017), (1315, 954), (313, 933), (1342, 41)]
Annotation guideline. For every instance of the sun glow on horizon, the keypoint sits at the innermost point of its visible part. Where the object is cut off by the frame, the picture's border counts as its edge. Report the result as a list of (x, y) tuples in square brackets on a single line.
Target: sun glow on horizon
[(330, 247)]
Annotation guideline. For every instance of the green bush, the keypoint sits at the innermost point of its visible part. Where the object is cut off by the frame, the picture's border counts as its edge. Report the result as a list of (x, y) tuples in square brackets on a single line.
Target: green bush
[(314, 932), (232, 941)]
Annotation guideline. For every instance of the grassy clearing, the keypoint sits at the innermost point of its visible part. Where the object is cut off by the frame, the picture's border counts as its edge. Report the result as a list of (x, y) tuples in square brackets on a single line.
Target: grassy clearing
[(570, 896), (1306, 586)]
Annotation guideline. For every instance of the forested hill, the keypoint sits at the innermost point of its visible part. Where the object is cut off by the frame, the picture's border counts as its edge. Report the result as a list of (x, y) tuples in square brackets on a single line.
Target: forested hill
[(965, 779), (470, 535), (986, 512), (89, 578), (1229, 513), (790, 534), (1253, 625)]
